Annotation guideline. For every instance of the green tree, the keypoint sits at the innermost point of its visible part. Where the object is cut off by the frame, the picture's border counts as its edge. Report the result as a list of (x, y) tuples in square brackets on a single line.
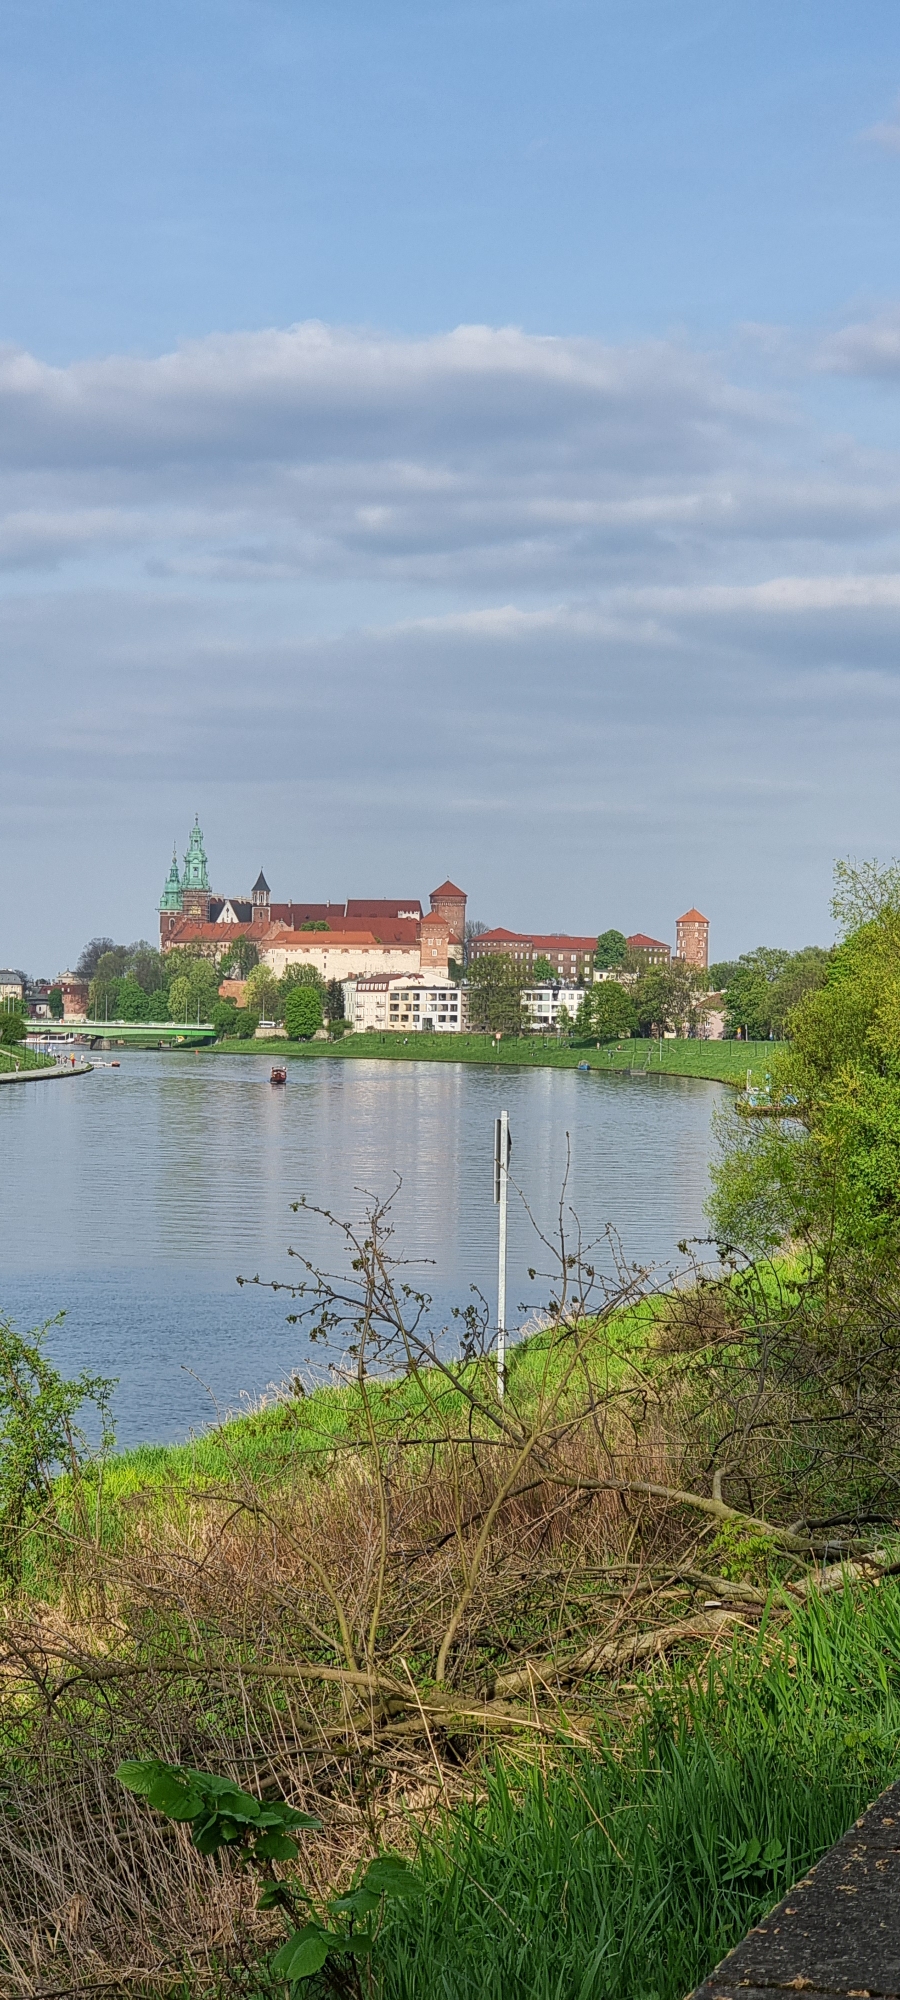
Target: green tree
[(767, 984), (607, 1012), (303, 1012), (159, 1005), (611, 950), (13, 1027), (542, 971), (99, 947), (301, 975), (264, 993), (334, 1001), (239, 959), (55, 1003), (495, 994), (39, 1435), (133, 1004), (194, 990), (315, 924), (667, 998), (224, 1018), (863, 892)]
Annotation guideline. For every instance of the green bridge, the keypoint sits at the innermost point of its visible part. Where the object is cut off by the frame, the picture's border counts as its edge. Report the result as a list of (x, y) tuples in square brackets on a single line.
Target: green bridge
[(152, 1034)]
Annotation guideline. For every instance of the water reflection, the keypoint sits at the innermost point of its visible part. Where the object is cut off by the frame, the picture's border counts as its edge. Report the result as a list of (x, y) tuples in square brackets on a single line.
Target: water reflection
[(137, 1195)]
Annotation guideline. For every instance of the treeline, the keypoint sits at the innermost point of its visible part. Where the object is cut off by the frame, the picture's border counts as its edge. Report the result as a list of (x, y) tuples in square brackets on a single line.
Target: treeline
[(137, 983)]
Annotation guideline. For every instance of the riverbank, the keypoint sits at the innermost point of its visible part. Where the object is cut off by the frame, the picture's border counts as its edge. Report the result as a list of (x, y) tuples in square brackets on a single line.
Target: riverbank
[(23, 1065), (713, 1062)]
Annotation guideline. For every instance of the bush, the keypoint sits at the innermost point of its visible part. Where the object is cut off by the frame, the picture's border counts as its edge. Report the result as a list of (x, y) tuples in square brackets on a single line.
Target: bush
[(246, 1022), (13, 1028), (303, 1012), (224, 1017)]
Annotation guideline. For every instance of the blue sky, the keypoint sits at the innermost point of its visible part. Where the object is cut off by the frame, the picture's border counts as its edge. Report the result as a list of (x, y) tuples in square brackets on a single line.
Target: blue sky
[(449, 439)]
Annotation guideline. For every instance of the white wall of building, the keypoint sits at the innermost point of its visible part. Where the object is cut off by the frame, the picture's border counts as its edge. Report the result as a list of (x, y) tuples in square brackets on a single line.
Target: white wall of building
[(543, 1003), (405, 1004)]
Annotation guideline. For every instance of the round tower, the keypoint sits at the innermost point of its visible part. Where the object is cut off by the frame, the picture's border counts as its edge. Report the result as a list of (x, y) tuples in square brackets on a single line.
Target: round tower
[(692, 939)]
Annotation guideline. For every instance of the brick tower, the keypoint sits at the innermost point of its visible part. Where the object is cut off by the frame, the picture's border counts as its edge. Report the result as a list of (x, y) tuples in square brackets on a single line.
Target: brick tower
[(692, 939), (450, 903)]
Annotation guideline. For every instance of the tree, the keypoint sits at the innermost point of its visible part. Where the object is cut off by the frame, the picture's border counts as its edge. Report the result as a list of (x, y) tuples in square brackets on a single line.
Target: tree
[(13, 1027), (607, 1012), (303, 1012), (718, 975), (315, 924), (55, 1003), (767, 984), (263, 993), (90, 958), (39, 1434), (473, 929), (667, 997), (334, 1000), (239, 959), (224, 1018), (133, 1004), (159, 1005), (495, 994), (863, 892), (543, 970), (301, 975), (194, 992), (611, 950)]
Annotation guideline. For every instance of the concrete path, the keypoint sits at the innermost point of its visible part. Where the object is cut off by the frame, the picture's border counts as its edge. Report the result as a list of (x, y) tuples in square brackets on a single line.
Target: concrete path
[(837, 1933), (37, 1075)]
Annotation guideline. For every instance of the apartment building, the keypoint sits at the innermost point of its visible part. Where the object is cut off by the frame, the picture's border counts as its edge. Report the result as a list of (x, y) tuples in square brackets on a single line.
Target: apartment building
[(405, 1003)]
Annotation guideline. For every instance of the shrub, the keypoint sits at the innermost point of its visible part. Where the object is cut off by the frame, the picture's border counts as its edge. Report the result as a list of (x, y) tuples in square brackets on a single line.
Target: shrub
[(13, 1028)]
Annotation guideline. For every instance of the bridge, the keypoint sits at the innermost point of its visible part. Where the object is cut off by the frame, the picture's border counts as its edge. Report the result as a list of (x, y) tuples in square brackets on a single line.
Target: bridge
[(161, 1034)]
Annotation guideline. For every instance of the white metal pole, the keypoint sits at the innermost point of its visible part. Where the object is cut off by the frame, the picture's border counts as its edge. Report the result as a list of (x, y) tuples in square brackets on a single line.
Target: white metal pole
[(501, 1190)]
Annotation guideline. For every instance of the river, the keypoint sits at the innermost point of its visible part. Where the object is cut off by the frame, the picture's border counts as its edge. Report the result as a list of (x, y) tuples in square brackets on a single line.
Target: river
[(134, 1197)]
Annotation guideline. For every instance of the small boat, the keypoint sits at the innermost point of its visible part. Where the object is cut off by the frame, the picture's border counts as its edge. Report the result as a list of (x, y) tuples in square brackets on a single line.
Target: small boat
[(278, 1075)]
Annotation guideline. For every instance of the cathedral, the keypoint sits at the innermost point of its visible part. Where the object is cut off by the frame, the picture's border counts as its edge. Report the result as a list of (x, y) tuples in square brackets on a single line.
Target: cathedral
[(397, 931)]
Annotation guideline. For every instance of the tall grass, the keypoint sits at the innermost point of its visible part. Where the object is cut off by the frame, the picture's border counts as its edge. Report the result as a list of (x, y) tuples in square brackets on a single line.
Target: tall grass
[(627, 1873)]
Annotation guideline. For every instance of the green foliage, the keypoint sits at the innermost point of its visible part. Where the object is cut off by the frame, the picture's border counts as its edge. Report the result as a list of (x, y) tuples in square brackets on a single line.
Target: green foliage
[(766, 987), (239, 959), (301, 975), (39, 1433), (612, 947), (667, 998), (224, 1017), (542, 970), (334, 1001), (863, 892), (132, 1003), (628, 1871), (315, 924), (246, 1022), (257, 1833), (13, 1027), (194, 990), (159, 1004), (495, 993), (264, 993), (303, 1012), (55, 1003), (720, 973), (607, 1012)]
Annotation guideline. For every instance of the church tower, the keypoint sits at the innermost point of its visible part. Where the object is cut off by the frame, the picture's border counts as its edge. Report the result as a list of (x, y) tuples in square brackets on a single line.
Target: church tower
[(170, 901), (261, 903), (195, 891)]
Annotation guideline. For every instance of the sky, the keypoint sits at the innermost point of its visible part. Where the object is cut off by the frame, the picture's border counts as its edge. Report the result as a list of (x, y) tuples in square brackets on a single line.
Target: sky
[(448, 439)]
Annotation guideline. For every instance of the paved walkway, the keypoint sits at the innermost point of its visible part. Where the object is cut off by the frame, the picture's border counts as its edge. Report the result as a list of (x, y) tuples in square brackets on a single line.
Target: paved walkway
[(35, 1075), (837, 1933)]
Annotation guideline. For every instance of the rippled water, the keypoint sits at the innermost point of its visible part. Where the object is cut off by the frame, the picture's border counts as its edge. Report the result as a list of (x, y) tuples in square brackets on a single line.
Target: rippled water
[(132, 1198)]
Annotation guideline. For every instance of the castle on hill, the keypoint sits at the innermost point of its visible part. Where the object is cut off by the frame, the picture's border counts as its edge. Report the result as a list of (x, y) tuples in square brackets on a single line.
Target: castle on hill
[(342, 940)]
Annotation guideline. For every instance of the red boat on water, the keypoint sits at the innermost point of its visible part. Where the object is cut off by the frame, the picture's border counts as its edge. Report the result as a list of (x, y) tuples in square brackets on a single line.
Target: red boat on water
[(278, 1075)]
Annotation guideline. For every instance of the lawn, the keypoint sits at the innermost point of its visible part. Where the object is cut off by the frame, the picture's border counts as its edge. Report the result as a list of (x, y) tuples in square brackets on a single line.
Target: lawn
[(718, 1062)]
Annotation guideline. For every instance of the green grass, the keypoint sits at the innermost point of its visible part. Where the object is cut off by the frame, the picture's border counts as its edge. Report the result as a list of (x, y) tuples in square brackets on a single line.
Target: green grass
[(22, 1058), (717, 1062), (627, 1873)]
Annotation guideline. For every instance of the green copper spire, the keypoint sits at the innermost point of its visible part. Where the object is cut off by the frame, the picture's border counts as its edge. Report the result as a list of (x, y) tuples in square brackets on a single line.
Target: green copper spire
[(171, 895), (195, 875)]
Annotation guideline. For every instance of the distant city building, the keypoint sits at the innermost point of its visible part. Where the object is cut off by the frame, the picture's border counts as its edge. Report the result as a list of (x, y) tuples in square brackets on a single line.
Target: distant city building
[(12, 985), (362, 936), (74, 996), (407, 1003), (571, 957), (692, 939), (651, 950), (543, 1003)]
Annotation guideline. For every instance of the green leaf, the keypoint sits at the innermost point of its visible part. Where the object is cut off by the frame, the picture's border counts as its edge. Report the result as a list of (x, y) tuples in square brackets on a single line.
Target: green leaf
[(274, 1896), (304, 1953), (358, 1902), (275, 1847), (390, 1875)]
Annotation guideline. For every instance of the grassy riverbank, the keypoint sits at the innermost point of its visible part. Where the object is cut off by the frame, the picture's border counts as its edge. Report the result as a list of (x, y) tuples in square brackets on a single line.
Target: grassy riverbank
[(717, 1062), (20, 1058)]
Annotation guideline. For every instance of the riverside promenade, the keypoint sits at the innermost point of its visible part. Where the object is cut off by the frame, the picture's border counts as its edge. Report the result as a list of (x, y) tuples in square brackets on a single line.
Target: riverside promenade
[(44, 1075)]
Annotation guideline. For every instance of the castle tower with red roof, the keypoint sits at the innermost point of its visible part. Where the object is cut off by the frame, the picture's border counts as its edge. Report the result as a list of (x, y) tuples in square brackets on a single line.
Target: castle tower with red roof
[(450, 903), (692, 939)]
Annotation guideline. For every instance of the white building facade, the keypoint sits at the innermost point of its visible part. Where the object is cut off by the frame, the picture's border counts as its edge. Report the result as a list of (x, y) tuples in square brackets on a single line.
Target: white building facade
[(406, 1004), (542, 1005)]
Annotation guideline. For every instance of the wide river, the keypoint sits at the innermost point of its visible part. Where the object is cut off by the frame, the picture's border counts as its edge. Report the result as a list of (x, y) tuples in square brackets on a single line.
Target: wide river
[(134, 1197)]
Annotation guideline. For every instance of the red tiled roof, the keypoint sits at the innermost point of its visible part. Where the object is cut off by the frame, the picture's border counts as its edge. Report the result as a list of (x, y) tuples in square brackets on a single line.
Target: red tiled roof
[(358, 907), (190, 930), (296, 941), (449, 889), (558, 943), (640, 941), (693, 917), (500, 936)]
